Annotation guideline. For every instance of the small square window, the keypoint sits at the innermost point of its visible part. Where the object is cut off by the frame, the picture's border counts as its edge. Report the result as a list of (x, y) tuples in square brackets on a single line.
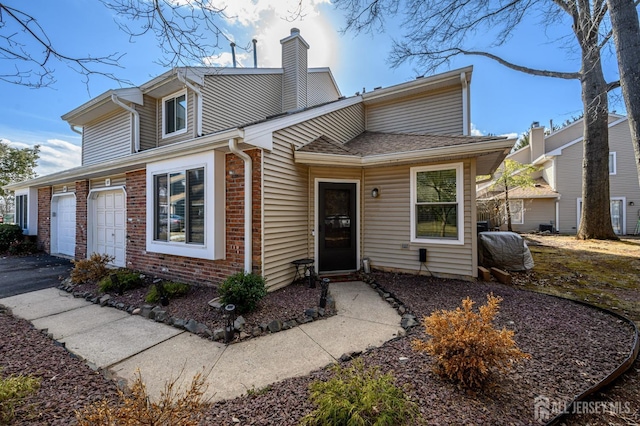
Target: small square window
[(174, 114)]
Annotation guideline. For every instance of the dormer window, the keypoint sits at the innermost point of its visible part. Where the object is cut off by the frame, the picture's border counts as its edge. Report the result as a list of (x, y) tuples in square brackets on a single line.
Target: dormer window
[(174, 114)]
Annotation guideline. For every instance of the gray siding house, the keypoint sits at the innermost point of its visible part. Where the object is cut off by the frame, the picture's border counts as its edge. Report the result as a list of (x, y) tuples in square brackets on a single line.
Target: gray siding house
[(202, 172), (556, 198)]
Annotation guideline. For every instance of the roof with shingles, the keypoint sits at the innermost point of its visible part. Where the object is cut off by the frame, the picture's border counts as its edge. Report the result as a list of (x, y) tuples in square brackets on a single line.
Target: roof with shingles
[(540, 189), (377, 143)]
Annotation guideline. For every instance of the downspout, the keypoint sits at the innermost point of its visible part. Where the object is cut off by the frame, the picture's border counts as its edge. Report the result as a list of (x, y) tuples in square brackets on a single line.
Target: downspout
[(248, 210), (465, 103), (136, 121), (198, 92), (74, 130)]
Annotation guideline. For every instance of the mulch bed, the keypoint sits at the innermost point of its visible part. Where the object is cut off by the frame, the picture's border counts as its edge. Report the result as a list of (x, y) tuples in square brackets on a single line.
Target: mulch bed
[(572, 348)]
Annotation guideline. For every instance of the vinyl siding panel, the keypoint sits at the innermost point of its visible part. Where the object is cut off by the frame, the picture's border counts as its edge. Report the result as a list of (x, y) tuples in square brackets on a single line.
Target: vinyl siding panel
[(118, 180), (625, 182), (569, 185), (388, 227), (107, 138), (59, 189), (189, 134), (548, 173), (233, 100), (148, 122), (536, 211), (287, 195), (438, 113), (320, 88)]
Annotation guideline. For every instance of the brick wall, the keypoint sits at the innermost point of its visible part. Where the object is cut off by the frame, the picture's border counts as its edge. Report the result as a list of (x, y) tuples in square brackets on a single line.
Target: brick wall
[(198, 271), (82, 192), (44, 220)]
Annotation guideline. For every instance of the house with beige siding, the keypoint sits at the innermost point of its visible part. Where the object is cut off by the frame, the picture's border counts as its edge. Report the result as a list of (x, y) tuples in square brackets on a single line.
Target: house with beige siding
[(556, 199), (204, 172)]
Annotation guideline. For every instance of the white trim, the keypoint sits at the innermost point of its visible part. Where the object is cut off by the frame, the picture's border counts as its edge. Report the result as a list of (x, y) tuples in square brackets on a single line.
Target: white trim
[(53, 237), (465, 104), (91, 217), (615, 163), (459, 167), (623, 213), (214, 232), (316, 213), (186, 114)]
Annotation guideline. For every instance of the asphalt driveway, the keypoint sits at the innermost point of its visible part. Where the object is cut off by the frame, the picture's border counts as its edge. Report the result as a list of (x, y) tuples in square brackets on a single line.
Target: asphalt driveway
[(30, 273)]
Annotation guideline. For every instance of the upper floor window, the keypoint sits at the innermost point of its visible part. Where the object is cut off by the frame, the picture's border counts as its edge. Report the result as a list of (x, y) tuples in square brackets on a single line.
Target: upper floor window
[(437, 212), (174, 114), (612, 163), (21, 211)]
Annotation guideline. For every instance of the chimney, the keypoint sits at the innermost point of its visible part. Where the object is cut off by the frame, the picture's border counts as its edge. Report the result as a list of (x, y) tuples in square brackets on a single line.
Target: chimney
[(536, 141), (294, 65), (255, 53), (233, 53)]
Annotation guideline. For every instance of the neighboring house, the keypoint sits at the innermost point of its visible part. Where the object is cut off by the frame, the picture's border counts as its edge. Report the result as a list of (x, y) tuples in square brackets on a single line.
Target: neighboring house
[(556, 199), (204, 172)]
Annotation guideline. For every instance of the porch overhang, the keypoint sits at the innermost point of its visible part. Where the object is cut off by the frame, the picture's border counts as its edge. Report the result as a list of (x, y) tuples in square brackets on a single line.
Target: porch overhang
[(489, 154)]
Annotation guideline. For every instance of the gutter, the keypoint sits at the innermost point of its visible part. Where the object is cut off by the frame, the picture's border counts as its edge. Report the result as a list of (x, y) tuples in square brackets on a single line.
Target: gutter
[(136, 121), (74, 130), (198, 92), (248, 205)]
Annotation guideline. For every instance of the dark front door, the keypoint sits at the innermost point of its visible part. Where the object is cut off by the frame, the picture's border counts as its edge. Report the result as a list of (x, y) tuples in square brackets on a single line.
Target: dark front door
[(337, 226)]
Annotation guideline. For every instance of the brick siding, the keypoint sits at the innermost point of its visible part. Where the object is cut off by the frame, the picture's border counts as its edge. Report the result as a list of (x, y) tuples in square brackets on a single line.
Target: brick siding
[(44, 221), (191, 270), (82, 192)]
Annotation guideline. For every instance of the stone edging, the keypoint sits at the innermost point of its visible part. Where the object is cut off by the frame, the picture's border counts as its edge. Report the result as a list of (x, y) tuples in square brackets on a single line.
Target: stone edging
[(158, 314)]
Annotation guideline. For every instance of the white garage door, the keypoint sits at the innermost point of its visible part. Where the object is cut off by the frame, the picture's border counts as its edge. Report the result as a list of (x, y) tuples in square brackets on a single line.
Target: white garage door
[(110, 225), (65, 229)]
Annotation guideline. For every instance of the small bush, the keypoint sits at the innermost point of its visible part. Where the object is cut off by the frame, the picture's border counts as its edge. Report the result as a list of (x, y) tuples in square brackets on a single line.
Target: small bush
[(137, 408), (468, 349), (12, 390), (169, 289), (127, 280), (90, 270), (243, 290), (357, 396), (9, 234), (22, 248)]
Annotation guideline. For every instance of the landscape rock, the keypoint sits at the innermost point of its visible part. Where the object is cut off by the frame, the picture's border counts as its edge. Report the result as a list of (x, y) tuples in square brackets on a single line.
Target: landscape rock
[(311, 312), (239, 322), (195, 327), (178, 322), (275, 326), (136, 311), (408, 321), (218, 334), (104, 300)]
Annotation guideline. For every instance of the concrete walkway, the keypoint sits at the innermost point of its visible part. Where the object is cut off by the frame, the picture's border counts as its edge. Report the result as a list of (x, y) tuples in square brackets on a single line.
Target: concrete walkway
[(116, 341)]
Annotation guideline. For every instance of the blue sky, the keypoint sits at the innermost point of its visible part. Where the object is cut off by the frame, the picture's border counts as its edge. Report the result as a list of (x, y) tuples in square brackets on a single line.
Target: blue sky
[(502, 101)]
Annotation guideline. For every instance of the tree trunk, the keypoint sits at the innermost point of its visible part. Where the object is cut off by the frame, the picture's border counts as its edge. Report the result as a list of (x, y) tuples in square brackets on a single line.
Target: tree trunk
[(507, 207), (626, 34), (595, 219)]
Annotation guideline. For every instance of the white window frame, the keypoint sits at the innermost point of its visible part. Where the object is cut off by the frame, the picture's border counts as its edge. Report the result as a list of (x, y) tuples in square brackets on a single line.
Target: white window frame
[(613, 159), (459, 168), (214, 232), (515, 220), (164, 116)]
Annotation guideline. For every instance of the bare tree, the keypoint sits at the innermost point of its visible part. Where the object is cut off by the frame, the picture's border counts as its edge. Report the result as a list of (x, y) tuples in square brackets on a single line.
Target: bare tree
[(438, 30), (626, 34), (188, 32)]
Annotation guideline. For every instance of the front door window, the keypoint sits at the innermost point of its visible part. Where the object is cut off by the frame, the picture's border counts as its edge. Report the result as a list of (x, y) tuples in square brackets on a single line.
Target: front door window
[(337, 226)]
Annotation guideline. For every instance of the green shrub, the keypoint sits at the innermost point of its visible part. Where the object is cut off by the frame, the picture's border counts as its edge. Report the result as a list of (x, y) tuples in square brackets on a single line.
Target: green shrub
[(12, 390), (24, 247), (90, 270), (467, 347), (169, 289), (243, 290), (8, 235), (358, 396), (127, 280)]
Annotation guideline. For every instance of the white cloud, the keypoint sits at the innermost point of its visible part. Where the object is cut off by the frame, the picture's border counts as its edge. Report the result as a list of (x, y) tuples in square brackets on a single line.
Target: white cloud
[(270, 21), (512, 135), (225, 59), (55, 154), (475, 131)]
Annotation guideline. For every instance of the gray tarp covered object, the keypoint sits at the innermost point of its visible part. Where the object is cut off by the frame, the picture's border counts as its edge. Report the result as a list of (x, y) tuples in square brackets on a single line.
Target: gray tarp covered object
[(504, 250)]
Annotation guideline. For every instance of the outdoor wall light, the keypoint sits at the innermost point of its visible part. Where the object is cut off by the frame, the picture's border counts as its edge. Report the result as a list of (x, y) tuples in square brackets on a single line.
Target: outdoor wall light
[(375, 192), (631, 203)]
